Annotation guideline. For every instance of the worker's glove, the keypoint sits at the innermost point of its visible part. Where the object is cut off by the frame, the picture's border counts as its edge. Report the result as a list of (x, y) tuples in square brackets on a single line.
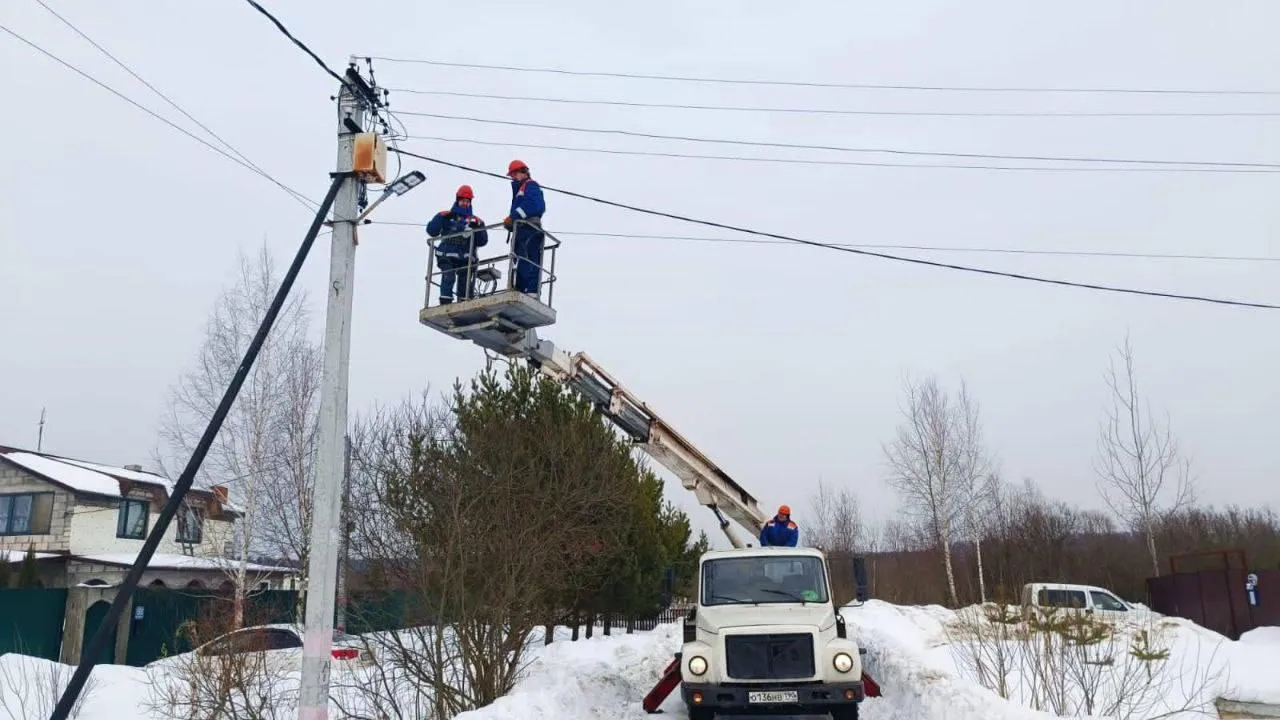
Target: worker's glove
[(506, 222), (474, 221)]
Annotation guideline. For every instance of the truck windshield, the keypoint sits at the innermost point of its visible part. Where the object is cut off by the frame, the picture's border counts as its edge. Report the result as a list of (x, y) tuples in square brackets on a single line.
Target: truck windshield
[(763, 579)]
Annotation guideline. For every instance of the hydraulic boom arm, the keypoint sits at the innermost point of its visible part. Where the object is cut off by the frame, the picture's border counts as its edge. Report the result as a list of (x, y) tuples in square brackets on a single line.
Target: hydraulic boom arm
[(697, 473)]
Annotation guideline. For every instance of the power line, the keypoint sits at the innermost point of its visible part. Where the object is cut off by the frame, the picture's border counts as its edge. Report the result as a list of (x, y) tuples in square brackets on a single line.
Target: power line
[(279, 25), (831, 148), (150, 112), (827, 111), (853, 163), (795, 83), (896, 246), (307, 202), (856, 251)]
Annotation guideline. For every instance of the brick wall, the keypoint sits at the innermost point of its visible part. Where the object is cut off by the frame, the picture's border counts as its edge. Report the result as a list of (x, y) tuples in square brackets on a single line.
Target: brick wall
[(87, 526), (93, 531), (14, 480)]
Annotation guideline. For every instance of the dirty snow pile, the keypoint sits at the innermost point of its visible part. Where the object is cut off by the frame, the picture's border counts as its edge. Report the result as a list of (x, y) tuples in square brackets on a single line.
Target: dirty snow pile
[(931, 663)]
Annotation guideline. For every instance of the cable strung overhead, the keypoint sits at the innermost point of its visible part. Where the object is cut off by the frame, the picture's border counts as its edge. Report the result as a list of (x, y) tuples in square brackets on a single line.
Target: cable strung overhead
[(856, 251)]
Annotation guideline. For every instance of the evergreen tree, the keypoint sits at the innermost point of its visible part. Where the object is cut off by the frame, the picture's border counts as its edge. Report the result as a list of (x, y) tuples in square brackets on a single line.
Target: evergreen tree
[(29, 576)]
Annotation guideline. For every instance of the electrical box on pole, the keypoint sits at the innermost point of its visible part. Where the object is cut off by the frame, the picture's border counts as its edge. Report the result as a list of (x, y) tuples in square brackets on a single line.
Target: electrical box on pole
[(370, 161)]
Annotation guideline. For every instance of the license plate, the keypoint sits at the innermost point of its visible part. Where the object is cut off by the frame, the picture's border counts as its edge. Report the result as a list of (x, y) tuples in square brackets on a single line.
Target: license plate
[(780, 696)]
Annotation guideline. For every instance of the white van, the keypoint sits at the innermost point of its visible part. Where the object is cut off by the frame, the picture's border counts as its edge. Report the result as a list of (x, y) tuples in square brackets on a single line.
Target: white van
[(1068, 596)]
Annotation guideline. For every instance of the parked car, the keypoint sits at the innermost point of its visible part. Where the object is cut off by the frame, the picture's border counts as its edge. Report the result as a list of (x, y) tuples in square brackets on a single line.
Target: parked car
[(283, 645), (1087, 598)]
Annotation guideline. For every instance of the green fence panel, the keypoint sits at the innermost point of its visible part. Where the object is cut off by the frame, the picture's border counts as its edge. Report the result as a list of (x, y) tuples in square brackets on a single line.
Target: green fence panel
[(273, 607), (376, 611), (159, 615), (31, 621)]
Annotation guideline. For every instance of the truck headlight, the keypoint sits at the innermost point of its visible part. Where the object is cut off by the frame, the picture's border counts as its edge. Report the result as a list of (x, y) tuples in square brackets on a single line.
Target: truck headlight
[(697, 665), (842, 662)]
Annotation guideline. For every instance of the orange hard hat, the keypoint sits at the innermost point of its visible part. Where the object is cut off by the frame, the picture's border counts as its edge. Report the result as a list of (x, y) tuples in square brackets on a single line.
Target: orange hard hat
[(465, 192), (784, 510), (517, 165)]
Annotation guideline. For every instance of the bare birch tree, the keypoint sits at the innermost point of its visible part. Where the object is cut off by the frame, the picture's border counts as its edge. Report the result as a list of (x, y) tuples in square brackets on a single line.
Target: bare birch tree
[(1142, 476), (936, 461), (265, 451), (837, 524), (980, 514)]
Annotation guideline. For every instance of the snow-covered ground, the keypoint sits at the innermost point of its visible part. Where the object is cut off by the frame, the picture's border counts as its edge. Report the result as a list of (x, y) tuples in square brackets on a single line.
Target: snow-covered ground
[(917, 654)]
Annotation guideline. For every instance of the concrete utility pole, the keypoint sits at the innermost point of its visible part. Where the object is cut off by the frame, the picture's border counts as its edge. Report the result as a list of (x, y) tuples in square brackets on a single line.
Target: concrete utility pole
[(344, 541), (327, 500)]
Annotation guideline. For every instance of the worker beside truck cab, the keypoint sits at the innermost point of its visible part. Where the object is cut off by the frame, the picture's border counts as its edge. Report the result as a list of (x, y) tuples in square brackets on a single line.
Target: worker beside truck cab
[(527, 205), (781, 531), (456, 255)]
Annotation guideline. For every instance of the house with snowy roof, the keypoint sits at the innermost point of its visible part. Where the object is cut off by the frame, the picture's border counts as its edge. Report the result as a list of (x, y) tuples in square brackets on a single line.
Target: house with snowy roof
[(86, 523)]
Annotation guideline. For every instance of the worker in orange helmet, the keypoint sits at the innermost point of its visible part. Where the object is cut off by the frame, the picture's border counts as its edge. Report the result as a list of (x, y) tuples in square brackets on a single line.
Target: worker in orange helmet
[(781, 531), (527, 205), (457, 253)]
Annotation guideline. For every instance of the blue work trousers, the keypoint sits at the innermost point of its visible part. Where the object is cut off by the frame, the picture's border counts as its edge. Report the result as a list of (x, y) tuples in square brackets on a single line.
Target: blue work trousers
[(527, 247), (459, 270)]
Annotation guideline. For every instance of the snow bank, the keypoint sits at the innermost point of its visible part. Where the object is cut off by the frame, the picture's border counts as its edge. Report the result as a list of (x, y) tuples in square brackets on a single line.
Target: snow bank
[(907, 654), (604, 678), (918, 655), (1268, 635), (30, 687), (912, 652)]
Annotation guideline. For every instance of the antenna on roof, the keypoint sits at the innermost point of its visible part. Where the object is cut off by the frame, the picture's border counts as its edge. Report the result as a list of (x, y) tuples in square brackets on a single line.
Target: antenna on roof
[(40, 437)]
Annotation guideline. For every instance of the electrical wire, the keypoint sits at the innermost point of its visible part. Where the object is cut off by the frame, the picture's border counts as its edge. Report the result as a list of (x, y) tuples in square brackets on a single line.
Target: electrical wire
[(894, 246), (857, 251), (152, 113), (829, 111), (307, 202), (279, 25), (833, 148), (853, 163), (794, 83)]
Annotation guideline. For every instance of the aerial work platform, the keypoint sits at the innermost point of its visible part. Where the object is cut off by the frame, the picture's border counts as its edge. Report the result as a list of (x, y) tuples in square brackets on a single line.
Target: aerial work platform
[(495, 315)]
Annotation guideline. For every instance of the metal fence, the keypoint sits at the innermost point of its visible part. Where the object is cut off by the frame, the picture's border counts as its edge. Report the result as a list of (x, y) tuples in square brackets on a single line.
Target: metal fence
[(31, 621), (1231, 599)]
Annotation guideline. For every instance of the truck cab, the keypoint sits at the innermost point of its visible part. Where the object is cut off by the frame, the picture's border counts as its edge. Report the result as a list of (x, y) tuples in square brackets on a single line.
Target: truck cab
[(765, 638)]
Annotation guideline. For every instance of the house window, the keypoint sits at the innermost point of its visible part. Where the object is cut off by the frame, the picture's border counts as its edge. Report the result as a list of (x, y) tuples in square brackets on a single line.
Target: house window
[(26, 513), (132, 523), (190, 525)]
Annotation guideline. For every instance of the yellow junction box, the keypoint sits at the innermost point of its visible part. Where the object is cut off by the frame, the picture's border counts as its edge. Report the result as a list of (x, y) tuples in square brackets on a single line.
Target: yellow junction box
[(370, 158)]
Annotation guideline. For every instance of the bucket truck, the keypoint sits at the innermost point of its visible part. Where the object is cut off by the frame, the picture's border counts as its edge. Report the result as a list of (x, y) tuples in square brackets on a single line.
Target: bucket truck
[(765, 636)]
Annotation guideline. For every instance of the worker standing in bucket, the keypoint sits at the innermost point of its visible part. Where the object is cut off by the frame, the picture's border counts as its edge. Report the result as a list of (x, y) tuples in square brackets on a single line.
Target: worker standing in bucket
[(527, 205), (456, 255), (781, 531)]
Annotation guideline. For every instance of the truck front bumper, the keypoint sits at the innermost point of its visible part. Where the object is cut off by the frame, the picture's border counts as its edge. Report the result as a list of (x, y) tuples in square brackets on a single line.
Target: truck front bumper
[(768, 698)]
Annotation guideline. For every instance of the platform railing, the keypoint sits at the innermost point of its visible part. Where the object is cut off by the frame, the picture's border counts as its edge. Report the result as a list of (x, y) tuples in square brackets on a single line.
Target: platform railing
[(491, 280)]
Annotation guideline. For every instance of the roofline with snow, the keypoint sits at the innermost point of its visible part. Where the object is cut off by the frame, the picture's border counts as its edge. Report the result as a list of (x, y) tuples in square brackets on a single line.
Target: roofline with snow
[(125, 483)]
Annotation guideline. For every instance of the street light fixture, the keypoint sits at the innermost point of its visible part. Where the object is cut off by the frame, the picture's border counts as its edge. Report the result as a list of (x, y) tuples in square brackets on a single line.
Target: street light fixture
[(407, 183), (402, 185)]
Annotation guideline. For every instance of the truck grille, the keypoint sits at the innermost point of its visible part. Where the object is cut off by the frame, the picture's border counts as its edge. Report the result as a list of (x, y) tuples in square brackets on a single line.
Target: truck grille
[(769, 657)]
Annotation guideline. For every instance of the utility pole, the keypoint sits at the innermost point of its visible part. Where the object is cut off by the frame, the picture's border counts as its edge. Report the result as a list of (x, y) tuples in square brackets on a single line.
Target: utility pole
[(353, 105), (344, 540), (40, 437)]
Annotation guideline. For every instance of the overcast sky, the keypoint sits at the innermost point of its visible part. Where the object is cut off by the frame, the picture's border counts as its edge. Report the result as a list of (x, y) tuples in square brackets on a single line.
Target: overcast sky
[(783, 363)]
